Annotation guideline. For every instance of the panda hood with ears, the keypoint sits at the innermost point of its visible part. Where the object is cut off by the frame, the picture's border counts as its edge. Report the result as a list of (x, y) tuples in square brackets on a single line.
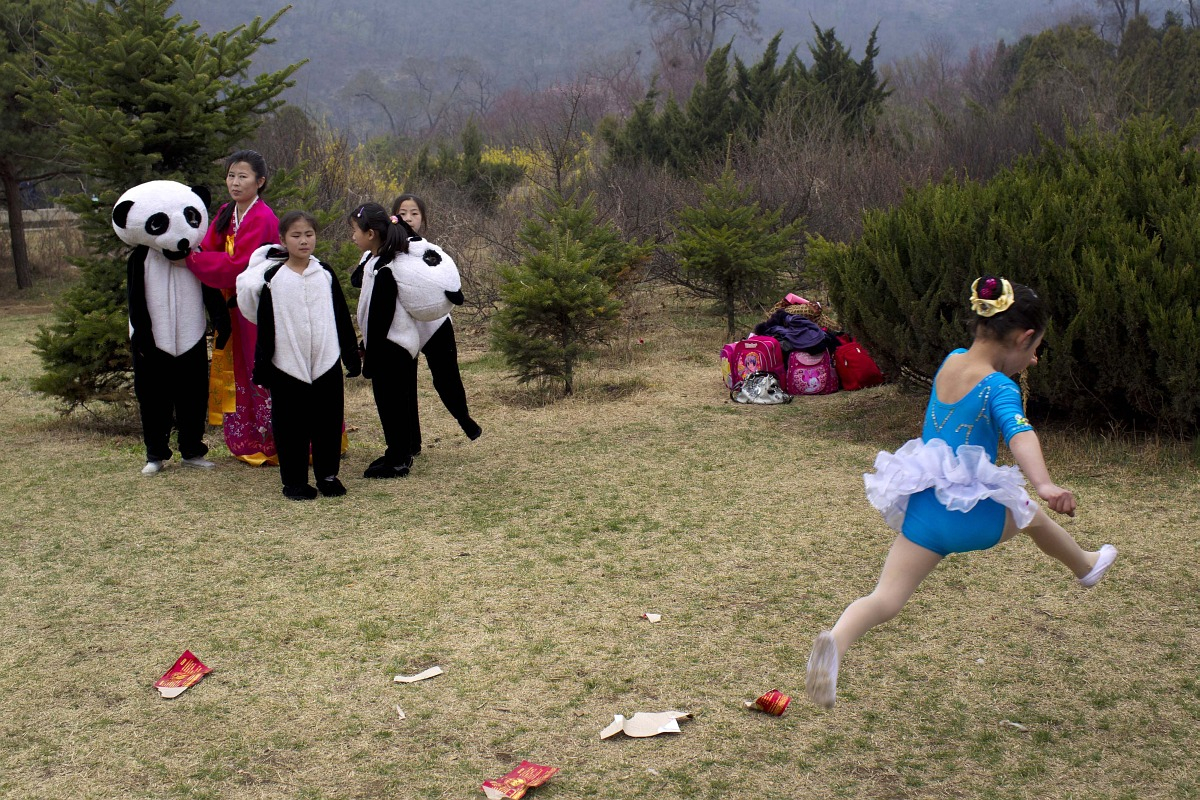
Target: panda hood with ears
[(166, 216)]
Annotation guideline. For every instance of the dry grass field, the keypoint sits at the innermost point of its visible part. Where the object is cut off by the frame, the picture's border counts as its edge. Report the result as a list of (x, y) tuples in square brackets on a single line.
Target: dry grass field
[(521, 562)]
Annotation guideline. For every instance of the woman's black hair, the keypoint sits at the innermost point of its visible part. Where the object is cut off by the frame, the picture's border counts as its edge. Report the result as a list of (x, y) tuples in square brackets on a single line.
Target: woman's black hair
[(1027, 311), (393, 236), (420, 207), (289, 219), (259, 165)]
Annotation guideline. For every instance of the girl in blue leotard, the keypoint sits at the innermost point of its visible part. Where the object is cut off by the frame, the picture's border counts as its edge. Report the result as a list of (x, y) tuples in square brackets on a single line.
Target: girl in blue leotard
[(944, 493)]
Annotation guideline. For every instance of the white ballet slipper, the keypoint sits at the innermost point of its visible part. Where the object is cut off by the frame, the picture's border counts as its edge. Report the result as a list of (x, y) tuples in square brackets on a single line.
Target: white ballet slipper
[(1108, 554), (820, 684)]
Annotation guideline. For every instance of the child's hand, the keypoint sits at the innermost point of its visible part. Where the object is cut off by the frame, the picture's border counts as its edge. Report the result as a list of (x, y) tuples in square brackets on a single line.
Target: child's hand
[(1059, 499)]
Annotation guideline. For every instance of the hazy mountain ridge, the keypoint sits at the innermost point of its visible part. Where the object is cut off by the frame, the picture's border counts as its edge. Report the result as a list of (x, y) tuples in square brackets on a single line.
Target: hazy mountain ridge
[(534, 43)]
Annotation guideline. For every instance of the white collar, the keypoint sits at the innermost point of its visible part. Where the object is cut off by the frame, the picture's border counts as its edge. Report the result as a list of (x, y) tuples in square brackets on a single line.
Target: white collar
[(237, 221)]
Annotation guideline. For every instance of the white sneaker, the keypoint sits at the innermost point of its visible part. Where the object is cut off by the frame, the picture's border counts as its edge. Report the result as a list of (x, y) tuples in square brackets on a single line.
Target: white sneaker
[(198, 461), (1108, 554), (153, 467), (820, 684)]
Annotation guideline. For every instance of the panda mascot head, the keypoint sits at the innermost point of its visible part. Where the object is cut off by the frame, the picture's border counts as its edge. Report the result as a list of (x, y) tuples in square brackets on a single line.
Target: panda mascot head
[(427, 280), (162, 215)]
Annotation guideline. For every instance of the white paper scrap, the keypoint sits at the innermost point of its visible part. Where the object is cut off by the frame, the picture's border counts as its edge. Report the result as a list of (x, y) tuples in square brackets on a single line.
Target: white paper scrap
[(420, 676), (651, 617), (644, 724)]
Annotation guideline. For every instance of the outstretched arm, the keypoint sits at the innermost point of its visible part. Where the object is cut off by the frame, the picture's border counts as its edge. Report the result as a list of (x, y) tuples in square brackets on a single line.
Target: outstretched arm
[(1028, 452)]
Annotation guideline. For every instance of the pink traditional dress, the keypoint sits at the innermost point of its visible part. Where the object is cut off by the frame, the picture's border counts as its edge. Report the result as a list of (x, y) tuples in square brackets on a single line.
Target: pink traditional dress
[(234, 401)]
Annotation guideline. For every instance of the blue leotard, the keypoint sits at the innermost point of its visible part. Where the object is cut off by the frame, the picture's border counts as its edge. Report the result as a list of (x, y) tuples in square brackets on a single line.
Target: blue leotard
[(991, 409)]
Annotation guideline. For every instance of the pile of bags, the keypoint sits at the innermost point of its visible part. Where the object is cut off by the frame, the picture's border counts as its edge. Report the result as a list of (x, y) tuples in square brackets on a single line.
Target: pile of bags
[(798, 350)]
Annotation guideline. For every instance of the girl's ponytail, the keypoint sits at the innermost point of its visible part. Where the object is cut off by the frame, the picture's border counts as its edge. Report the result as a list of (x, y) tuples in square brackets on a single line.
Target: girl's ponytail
[(393, 233)]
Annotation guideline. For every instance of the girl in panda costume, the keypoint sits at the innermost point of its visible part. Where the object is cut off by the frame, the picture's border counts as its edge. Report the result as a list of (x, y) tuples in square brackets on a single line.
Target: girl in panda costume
[(437, 338), (402, 283), (304, 327)]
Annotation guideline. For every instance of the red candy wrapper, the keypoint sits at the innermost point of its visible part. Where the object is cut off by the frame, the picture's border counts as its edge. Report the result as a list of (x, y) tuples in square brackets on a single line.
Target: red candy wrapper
[(773, 702), (187, 672), (520, 780)]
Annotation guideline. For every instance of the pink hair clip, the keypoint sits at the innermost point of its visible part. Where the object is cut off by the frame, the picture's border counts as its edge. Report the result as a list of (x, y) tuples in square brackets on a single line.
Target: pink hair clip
[(395, 220)]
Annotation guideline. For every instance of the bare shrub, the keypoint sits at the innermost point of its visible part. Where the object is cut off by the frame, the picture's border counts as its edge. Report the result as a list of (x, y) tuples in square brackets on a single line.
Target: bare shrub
[(477, 241), (53, 238)]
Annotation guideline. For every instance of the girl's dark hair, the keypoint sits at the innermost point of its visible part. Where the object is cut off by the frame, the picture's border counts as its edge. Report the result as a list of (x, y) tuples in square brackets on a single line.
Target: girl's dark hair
[(289, 219), (393, 236), (420, 207), (259, 165), (1027, 312)]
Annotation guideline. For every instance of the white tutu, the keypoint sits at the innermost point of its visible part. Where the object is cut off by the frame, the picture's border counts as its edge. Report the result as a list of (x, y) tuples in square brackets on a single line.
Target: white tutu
[(959, 480)]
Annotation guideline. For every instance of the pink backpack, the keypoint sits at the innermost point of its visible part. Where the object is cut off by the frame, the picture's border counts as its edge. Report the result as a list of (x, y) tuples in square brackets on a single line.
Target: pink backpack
[(755, 354), (810, 374)]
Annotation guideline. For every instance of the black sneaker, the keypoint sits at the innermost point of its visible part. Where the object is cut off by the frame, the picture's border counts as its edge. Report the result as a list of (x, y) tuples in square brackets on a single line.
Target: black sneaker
[(331, 487), (471, 429), (304, 492)]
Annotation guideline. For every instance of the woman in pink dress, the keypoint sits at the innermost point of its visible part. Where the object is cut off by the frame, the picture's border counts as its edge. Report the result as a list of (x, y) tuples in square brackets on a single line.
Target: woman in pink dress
[(241, 226)]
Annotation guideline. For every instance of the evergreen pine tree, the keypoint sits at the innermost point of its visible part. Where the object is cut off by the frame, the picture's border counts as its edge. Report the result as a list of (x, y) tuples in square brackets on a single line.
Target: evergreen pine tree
[(852, 89), (672, 147), (555, 310), (731, 250), (710, 109), (635, 140), (757, 88), (28, 151), (570, 218), (140, 96)]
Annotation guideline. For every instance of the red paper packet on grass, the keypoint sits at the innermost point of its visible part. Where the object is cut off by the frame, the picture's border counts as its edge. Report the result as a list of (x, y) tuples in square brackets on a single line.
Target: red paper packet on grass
[(516, 783), (187, 671), (773, 702)]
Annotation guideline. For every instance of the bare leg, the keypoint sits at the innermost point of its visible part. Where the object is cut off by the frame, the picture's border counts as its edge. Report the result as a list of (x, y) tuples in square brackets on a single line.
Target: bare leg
[(907, 564), (1054, 541)]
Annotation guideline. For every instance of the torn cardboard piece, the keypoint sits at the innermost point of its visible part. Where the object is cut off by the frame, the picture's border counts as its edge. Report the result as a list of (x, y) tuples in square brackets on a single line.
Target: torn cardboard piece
[(651, 617), (644, 724), (186, 672), (773, 702), (432, 672), (514, 785)]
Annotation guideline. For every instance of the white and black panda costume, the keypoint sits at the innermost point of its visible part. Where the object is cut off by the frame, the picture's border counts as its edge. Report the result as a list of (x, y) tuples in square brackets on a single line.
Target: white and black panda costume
[(420, 285), (304, 328), (440, 349), (163, 221)]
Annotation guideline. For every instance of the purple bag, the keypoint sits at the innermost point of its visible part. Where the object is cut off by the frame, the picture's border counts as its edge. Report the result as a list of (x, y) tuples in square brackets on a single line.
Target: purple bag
[(807, 373)]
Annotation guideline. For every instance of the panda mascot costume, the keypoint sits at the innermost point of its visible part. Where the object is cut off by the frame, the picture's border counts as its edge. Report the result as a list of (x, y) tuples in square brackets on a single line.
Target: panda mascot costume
[(163, 221), (420, 285)]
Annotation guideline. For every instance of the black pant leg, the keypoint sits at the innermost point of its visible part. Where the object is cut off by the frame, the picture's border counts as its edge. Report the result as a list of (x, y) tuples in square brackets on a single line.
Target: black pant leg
[(152, 380), (394, 384), (191, 399), (441, 353), (327, 414), (290, 400)]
